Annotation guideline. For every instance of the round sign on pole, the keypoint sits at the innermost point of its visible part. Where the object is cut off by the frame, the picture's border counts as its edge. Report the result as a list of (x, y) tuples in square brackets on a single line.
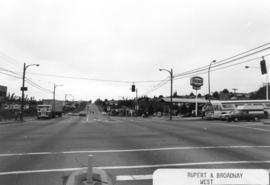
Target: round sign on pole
[(196, 81)]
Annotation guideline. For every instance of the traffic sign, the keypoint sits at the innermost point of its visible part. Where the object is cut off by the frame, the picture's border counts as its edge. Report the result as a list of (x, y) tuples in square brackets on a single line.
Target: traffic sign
[(196, 81), (24, 88)]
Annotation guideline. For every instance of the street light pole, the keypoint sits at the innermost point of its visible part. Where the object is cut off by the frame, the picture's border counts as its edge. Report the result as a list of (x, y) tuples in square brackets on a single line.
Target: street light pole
[(23, 88), (137, 103), (54, 87), (209, 91), (267, 81), (171, 73), (171, 77)]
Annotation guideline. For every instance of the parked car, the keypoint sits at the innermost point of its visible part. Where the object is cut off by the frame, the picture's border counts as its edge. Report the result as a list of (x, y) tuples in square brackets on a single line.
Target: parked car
[(246, 112), (82, 113)]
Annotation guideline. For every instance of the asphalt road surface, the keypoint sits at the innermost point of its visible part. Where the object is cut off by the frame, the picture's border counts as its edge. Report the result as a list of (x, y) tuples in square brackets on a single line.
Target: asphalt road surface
[(41, 152)]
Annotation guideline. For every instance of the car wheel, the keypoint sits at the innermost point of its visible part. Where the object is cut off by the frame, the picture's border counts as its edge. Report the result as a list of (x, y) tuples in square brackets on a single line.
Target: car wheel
[(235, 119), (256, 119)]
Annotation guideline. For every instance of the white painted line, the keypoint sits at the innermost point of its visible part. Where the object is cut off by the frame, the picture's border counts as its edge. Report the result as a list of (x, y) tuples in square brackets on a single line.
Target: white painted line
[(181, 164), (134, 150), (132, 167), (39, 171), (241, 126), (134, 177)]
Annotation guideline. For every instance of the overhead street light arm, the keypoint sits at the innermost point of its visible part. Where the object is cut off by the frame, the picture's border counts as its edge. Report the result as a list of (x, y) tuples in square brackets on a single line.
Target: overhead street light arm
[(171, 77), (31, 65), (252, 67), (165, 70)]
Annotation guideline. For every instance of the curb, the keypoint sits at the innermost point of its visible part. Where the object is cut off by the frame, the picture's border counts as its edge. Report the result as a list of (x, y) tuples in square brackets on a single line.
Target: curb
[(3, 122)]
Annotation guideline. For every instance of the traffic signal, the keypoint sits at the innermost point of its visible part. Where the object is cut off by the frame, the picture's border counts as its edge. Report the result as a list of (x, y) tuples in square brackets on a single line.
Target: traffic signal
[(133, 88), (263, 67)]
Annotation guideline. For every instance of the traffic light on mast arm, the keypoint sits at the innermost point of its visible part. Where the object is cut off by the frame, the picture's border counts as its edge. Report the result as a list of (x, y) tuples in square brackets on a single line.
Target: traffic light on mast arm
[(263, 67)]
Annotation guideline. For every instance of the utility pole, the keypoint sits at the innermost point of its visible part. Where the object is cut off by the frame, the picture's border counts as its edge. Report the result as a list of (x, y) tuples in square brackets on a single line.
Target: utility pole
[(267, 79), (171, 77), (171, 105), (54, 87), (23, 88), (209, 91), (137, 103)]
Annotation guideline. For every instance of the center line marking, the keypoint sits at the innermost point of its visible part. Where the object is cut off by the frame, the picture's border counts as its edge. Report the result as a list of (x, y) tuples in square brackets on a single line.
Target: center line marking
[(132, 150), (132, 167)]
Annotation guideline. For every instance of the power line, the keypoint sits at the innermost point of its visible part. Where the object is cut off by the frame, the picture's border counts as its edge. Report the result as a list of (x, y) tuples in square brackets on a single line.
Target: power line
[(30, 82), (96, 79), (8, 59), (225, 61), (220, 68), (157, 86), (9, 75), (204, 72)]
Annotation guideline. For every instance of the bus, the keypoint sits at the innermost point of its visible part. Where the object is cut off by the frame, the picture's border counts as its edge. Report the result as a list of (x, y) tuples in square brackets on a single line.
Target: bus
[(217, 109)]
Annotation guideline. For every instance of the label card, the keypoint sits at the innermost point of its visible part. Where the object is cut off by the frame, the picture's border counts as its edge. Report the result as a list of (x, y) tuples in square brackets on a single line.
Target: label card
[(210, 177)]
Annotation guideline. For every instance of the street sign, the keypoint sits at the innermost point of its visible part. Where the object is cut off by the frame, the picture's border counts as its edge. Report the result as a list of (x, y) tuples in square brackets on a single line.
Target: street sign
[(24, 88), (196, 81), (210, 177)]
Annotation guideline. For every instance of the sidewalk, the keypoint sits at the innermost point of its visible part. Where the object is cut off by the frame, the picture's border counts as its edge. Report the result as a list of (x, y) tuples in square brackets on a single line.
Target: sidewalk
[(25, 119)]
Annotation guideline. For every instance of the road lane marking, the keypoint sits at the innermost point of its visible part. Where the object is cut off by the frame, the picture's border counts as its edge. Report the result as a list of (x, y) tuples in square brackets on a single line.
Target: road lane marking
[(241, 126), (134, 177), (132, 150), (132, 167)]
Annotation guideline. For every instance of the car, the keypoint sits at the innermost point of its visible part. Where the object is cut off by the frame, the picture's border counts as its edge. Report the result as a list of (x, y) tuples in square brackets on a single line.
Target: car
[(246, 112), (225, 115), (82, 113)]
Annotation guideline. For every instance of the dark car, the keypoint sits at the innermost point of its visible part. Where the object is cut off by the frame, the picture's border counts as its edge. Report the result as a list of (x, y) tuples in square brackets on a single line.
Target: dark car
[(246, 112), (82, 113)]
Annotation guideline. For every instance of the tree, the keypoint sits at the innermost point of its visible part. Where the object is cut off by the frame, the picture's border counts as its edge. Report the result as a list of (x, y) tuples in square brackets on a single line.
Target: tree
[(160, 96), (225, 91), (191, 94), (175, 94), (216, 95), (199, 95), (259, 94)]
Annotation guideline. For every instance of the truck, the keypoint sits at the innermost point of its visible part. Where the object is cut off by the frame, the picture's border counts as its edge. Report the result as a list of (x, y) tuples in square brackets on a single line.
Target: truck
[(50, 109)]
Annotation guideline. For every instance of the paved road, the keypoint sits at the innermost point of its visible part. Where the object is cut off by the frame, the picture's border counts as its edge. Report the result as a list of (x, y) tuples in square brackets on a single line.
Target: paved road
[(40, 152)]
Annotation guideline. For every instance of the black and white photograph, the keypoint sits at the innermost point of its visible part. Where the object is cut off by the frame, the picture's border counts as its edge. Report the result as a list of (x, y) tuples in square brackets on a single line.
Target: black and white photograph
[(134, 92)]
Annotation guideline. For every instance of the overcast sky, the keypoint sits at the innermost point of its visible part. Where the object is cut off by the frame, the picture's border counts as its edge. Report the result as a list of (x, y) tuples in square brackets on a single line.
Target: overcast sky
[(126, 40)]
